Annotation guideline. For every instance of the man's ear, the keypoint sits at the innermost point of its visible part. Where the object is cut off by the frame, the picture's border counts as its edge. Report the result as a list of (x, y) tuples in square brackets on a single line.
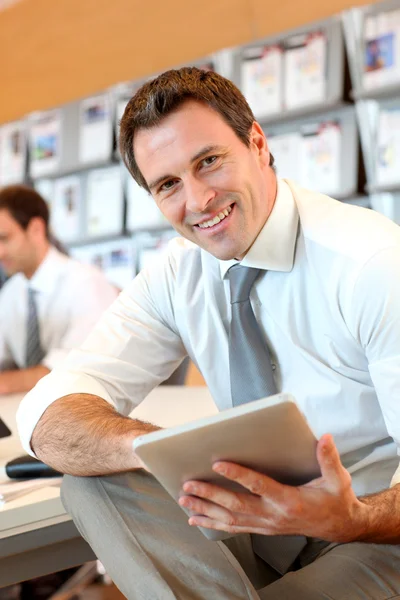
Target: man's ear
[(36, 228), (259, 142)]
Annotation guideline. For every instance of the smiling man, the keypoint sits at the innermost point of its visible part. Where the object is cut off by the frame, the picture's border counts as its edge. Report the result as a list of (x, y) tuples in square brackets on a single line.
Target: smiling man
[(318, 282)]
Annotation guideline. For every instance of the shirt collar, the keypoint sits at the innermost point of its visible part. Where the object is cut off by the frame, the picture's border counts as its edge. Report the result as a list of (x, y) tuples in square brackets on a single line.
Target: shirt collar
[(273, 249), (46, 275)]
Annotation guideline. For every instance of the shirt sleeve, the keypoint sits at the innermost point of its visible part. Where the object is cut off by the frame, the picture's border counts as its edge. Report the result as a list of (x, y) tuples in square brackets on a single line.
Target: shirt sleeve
[(87, 300), (132, 349), (375, 323)]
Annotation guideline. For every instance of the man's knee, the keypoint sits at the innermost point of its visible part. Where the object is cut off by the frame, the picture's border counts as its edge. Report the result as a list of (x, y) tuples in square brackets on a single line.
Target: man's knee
[(75, 491), (291, 587)]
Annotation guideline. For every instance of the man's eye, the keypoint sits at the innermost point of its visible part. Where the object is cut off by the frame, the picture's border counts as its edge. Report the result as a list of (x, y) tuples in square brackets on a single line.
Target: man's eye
[(209, 160), (167, 185)]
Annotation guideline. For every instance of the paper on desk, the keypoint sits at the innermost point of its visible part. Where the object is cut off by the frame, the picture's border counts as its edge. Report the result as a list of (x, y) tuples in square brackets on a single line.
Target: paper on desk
[(10, 490)]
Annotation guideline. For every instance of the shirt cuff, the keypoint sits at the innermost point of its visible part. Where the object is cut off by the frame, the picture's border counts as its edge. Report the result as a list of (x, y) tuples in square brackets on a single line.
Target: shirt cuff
[(49, 389)]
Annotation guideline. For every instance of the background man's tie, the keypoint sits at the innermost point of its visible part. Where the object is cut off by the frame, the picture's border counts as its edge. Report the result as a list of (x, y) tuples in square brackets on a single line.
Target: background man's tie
[(34, 352), (251, 377)]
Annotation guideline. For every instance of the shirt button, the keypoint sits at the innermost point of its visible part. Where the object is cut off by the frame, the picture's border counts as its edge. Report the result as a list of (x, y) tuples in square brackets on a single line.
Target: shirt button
[(273, 365)]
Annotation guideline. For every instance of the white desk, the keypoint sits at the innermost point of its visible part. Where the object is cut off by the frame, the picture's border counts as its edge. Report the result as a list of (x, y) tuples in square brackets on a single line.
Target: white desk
[(37, 536)]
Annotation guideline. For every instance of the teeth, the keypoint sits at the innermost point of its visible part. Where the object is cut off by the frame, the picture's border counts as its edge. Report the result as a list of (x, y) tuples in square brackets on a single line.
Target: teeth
[(216, 219)]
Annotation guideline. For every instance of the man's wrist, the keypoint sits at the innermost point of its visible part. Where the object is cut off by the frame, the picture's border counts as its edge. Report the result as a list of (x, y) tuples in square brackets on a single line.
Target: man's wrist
[(361, 520), (142, 428)]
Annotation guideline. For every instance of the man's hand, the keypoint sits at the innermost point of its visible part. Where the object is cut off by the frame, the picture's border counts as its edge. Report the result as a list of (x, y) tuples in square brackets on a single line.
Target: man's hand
[(325, 508)]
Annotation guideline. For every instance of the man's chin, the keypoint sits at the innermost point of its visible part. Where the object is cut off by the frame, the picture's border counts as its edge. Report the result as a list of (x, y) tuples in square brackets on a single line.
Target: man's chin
[(225, 253)]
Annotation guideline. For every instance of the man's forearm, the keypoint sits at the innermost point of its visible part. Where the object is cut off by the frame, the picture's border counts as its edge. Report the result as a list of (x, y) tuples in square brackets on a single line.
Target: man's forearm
[(383, 517), (21, 380), (82, 434)]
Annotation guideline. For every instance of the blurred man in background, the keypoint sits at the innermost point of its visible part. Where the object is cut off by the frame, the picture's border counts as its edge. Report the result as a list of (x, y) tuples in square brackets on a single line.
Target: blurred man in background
[(43, 313)]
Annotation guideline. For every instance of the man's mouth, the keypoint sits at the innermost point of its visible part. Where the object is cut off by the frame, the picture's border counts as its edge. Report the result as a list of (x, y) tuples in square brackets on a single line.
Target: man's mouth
[(217, 219)]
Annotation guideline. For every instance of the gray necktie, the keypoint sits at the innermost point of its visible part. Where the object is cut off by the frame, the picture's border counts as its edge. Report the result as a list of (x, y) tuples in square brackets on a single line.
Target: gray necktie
[(252, 378), (34, 352), (249, 359)]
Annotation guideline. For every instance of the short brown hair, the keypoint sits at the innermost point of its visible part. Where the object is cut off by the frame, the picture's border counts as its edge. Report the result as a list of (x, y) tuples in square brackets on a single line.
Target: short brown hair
[(164, 94), (24, 203)]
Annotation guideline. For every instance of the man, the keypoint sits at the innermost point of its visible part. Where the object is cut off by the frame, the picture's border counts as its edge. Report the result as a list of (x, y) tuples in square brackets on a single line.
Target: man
[(325, 301), (43, 312)]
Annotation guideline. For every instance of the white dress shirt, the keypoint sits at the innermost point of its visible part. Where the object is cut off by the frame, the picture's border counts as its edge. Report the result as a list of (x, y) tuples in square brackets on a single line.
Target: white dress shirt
[(70, 298), (327, 302)]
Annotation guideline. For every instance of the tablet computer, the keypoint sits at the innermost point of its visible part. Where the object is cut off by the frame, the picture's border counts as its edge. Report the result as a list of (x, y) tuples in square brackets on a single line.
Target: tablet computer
[(270, 435)]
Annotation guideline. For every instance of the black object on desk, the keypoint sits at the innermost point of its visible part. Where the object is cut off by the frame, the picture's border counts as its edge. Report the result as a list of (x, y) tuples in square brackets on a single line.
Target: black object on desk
[(28, 467), (4, 431)]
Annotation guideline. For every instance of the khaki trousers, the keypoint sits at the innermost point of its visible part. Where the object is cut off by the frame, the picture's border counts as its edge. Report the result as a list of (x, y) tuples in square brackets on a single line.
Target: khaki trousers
[(142, 537)]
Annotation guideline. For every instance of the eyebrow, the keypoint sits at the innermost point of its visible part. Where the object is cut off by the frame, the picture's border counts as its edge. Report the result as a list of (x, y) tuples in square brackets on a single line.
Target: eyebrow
[(199, 154)]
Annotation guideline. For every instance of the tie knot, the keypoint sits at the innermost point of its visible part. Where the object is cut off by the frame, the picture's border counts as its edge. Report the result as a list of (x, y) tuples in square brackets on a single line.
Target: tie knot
[(31, 294), (241, 280)]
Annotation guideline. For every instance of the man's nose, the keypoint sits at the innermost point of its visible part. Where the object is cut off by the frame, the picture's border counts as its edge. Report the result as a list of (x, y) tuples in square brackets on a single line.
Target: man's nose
[(198, 195)]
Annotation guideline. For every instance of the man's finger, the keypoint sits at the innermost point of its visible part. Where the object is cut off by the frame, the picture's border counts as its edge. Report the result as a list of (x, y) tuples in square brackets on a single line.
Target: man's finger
[(233, 501), (205, 508), (200, 521), (257, 483), (332, 469)]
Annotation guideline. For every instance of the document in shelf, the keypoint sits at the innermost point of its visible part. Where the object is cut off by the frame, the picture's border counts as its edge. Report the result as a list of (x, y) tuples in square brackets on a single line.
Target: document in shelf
[(381, 49), (13, 149), (104, 202), (45, 143), (286, 150), (320, 158), (262, 79), (121, 94), (115, 258), (45, 187), (151, 246), (66, 214), (143, 212), (388, 147), (119, 113), (95, 129), (388, 204), (305, 59)]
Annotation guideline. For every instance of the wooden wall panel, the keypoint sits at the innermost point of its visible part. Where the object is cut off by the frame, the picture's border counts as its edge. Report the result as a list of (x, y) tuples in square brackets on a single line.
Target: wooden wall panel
[(280, 15), (52, 52), (55, 51)]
